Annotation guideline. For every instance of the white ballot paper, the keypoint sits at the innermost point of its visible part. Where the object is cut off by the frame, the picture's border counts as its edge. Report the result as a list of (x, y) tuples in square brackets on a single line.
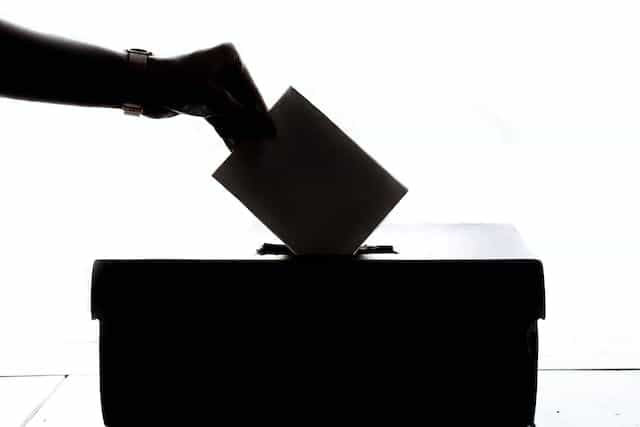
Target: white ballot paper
[(311, 185)]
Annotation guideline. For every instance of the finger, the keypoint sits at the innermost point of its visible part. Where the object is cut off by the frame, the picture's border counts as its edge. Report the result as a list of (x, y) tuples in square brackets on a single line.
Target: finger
[(237, 80), (223, 130), (246, 91), (207, 102), (244, 125), (236, 122), (158, 112)]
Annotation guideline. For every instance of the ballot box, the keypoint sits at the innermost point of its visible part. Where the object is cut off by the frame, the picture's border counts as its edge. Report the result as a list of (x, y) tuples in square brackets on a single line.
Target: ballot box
[(425, 323)]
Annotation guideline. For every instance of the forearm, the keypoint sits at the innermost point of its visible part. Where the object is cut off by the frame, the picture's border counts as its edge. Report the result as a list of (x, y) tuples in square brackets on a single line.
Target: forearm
[(45, 68), (210, 83)]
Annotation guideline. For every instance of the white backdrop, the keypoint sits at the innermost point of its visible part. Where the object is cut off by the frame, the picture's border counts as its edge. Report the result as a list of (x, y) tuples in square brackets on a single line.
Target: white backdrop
[(492, 111)]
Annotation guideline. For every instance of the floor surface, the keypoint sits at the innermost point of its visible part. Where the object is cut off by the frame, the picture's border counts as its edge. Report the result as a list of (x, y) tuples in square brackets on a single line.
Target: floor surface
[(565, 398)]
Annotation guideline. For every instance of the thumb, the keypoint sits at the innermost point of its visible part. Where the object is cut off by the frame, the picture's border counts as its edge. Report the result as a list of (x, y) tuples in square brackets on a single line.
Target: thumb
[(235, 122), (244, 125)]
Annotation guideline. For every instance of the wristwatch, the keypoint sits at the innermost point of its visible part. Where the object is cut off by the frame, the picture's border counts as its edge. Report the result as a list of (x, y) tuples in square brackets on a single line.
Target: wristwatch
[(137, 63)]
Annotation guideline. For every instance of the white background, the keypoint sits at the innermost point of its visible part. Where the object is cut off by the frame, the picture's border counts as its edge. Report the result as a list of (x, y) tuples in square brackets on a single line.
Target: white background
[(489, 111)]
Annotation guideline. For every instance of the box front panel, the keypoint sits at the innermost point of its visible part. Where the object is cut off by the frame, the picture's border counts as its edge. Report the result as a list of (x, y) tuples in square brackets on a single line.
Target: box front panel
[(318, 341)]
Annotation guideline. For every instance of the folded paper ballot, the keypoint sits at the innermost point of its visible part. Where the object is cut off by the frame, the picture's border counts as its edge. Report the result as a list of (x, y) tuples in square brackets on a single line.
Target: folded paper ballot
[(311, 185)]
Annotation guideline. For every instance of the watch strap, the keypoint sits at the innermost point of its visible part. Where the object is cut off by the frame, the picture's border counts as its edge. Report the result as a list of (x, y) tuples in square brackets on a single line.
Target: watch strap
[(137, 60)]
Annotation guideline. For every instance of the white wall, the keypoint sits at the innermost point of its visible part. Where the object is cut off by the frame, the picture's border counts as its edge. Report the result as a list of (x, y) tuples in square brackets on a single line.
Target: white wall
[(525, 112)]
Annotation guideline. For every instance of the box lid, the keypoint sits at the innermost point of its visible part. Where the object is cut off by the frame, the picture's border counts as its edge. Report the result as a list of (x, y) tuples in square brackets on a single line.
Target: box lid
[(457, 258)]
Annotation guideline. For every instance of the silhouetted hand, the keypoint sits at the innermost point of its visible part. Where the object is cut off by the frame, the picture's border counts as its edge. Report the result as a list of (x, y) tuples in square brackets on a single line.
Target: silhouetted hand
[(213, 84)]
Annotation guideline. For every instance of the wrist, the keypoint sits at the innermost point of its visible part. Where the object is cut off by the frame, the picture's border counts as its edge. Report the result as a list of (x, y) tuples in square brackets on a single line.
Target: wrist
[(136, 78), (161, 79)]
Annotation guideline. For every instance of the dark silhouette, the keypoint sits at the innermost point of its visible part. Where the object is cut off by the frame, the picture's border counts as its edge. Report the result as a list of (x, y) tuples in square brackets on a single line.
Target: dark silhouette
[(447, 330), (213, 83), (378, 339)]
